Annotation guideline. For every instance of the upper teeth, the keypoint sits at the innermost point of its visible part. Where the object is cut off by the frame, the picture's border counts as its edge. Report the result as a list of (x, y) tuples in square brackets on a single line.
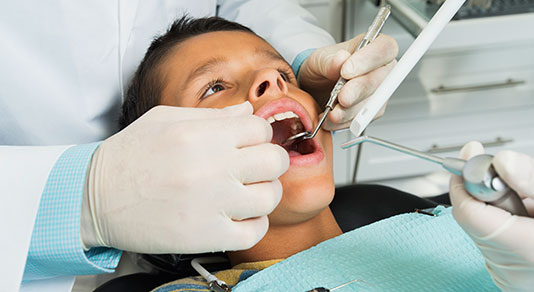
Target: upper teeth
[(282, 116)]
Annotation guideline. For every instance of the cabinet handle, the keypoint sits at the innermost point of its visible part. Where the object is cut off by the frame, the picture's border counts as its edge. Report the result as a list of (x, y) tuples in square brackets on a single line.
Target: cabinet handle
[(499, 141), (474, 87)]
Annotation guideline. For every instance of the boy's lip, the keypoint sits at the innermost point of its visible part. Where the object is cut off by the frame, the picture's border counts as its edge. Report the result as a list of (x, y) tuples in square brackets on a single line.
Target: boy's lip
[(285, 104)]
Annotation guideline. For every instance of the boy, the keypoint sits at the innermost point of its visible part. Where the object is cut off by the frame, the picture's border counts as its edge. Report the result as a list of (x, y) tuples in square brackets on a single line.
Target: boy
[(214, 63)]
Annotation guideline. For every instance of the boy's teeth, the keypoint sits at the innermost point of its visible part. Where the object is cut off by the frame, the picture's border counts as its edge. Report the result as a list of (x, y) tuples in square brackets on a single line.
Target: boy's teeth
[(282, 116)]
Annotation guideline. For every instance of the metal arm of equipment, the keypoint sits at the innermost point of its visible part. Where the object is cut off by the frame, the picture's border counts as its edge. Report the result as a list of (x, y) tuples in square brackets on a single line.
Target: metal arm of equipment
[(480, 178)]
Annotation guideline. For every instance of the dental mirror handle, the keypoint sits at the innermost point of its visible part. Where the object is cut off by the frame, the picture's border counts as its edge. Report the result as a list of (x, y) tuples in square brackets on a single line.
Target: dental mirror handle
[(371, 34)]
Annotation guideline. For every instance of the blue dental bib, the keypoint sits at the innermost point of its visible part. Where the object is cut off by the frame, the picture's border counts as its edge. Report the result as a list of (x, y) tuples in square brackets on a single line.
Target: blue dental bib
[(408, 252)]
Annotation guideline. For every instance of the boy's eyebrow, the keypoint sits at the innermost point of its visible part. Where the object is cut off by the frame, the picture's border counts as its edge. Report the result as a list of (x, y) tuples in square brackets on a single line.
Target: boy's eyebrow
[(271, 55), (205, 67), (215, 62)]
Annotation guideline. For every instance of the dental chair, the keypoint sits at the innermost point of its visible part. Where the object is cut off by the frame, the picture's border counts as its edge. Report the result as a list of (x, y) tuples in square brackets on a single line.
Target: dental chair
[(353, 206)]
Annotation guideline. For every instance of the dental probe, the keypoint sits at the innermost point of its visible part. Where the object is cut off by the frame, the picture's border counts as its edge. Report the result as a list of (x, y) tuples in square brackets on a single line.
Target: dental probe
[(480, 179), (372, 33)]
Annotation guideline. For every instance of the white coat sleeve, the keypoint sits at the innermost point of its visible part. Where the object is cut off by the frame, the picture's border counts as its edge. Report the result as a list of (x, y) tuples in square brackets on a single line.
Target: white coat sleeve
[(289, 28), (23, 174), (41, 190)]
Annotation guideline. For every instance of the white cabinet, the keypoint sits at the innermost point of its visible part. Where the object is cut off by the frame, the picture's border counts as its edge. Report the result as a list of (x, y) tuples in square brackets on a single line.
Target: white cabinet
[(454, 95)]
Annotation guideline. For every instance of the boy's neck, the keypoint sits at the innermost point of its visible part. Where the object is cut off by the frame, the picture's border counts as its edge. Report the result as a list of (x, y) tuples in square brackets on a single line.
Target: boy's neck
[(283, 241)]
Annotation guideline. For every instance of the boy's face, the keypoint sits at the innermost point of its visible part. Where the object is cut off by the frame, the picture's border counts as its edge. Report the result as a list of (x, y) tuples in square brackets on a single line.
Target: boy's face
[(220, 69)]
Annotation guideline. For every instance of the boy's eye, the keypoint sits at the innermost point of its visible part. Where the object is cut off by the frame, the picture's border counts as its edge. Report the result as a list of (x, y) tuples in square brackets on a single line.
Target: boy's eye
[(284, 76), (212, 89)]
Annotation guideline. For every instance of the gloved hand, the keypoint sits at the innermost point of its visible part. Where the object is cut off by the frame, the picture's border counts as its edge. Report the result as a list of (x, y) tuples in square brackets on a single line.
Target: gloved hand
[(183, 180), (505, 240), (365, 69)]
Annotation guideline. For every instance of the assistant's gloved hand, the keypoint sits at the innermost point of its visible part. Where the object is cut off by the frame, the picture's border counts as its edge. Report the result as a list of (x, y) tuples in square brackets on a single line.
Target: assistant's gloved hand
[(505, 240), (184, 180), (365, 69)]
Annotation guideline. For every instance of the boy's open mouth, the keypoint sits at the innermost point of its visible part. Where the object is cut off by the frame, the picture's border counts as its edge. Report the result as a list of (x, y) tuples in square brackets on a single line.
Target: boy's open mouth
[(286, 125), (287, 118)]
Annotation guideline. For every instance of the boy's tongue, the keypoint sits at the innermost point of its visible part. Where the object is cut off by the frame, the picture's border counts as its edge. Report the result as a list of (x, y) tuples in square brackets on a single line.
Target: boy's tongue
[(283, 130)]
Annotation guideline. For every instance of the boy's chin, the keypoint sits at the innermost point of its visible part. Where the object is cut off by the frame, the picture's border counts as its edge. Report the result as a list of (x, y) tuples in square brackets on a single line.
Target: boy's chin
[(304, 196), (296, 212), (280, 218)]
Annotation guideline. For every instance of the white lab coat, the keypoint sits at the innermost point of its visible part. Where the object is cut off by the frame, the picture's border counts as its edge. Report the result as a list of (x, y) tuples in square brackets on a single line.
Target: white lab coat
[(63, 68)]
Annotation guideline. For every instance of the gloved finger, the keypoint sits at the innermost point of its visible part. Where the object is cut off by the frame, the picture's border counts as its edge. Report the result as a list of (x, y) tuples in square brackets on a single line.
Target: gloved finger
[(352, 96), (471, 213), (254, 200), (361, 87), (334, 64), (331, 126), (465, 205), (517, 170), (381, 51), (243, 234), (457, 192), (264, 162), (471, 149), (240, 131), (172, 113), (341, 117)]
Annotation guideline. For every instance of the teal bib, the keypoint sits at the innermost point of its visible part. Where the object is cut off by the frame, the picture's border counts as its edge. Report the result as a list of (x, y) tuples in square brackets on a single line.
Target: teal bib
[(408, 252)]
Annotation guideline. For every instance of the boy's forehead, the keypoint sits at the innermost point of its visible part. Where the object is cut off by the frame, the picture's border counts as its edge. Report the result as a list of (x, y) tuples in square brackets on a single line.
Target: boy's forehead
[(213, 51), (226, 44)]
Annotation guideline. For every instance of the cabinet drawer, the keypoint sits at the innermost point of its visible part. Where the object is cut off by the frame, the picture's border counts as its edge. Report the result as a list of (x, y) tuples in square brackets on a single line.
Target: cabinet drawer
[(379, 163)]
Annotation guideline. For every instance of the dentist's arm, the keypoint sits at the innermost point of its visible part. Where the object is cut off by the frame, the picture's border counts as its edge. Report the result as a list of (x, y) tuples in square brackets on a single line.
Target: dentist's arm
[(315, 58), (183, 180), (177, 180), (505, 240)]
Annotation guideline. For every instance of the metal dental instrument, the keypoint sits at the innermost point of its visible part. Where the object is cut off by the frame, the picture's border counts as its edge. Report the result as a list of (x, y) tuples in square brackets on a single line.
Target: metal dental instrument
[(217, 285), (372, 33), (214, 283), (407, 62), (480, 178), (322, 289)]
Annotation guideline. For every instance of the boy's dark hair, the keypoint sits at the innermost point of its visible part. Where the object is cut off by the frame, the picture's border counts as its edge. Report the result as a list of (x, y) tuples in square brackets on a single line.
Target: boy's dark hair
[(144, 91)]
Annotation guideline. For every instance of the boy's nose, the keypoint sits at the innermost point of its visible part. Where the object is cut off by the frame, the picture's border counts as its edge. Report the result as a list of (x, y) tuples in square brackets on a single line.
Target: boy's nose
[(267, 82)]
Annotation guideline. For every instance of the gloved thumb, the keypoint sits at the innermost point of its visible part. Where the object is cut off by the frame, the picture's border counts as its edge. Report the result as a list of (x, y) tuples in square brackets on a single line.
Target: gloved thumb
[(171, 113), (471, 149), (241, 109), (465, 206), (517, 170)]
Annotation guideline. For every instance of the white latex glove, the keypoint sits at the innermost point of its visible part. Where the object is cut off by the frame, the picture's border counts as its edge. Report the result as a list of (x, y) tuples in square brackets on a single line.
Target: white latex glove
[(365, 69), (505, 240), (184, 180)]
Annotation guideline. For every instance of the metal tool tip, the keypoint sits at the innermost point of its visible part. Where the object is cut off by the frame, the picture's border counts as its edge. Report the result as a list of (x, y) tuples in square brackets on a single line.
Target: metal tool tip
[(354, 142), (300, 135)]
